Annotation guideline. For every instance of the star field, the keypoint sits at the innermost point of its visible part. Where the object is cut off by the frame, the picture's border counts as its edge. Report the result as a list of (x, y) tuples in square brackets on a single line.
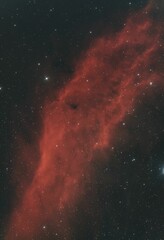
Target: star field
[(81, 120)]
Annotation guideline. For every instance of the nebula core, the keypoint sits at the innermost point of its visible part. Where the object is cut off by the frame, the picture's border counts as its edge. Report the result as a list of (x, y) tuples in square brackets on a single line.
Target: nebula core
[(79, 125)]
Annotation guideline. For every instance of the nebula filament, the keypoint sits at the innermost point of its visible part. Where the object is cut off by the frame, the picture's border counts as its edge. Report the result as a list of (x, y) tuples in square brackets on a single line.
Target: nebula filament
[(82, 120)]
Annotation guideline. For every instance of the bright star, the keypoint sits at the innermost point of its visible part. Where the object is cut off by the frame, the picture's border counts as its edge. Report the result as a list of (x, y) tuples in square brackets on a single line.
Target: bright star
[(46, 78)]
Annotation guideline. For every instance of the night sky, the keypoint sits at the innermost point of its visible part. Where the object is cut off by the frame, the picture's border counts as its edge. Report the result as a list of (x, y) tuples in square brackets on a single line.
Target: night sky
[(81, 120)]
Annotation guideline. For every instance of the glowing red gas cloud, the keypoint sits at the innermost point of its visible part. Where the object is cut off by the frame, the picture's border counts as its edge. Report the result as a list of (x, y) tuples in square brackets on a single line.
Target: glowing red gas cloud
[(81, 121)]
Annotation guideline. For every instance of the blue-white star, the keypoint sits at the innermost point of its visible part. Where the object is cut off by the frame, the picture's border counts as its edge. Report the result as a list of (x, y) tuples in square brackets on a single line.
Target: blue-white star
[(46, 78), (163, 171)]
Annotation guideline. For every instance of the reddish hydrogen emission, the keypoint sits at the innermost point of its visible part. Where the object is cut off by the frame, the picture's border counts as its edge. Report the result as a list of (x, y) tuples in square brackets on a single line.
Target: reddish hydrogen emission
[(82, 120)]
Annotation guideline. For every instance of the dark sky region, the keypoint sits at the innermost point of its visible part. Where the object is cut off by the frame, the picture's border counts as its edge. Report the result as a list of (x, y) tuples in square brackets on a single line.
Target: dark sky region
[(81, 120)]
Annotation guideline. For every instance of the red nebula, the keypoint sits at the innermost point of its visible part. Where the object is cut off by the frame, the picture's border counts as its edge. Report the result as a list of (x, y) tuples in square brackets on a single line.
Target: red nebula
[(82, 120)]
